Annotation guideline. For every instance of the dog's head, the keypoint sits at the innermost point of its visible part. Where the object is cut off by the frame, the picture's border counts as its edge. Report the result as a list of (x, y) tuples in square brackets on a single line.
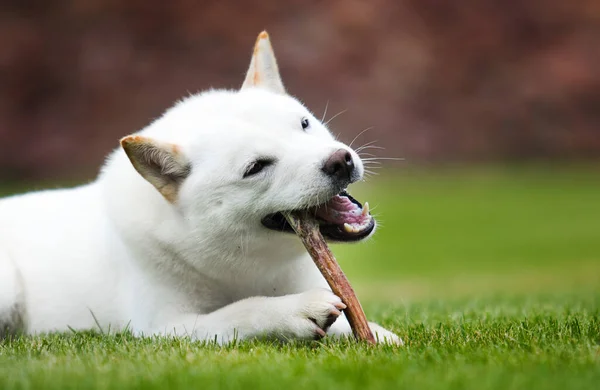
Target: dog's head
[(234, 160)]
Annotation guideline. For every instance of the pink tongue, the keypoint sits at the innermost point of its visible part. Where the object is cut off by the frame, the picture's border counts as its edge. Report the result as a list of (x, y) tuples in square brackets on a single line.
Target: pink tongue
[(340, 210)]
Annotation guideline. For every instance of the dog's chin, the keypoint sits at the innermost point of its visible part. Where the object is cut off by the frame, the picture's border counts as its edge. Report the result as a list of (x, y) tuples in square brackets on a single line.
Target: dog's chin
[(341, 219)]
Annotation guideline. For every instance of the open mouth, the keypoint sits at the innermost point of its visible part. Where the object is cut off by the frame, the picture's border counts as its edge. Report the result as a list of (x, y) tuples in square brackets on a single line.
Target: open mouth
[(342, 218)]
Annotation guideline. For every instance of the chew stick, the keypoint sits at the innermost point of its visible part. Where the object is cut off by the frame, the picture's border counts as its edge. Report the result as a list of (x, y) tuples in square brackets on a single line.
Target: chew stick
[(308, 230)]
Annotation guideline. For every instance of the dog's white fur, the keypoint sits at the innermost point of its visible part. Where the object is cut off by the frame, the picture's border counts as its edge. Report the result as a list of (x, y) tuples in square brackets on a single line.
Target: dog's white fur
[(168, 239)]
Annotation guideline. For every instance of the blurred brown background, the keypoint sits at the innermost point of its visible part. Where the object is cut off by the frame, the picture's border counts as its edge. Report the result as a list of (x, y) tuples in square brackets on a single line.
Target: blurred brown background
[(463, 80)]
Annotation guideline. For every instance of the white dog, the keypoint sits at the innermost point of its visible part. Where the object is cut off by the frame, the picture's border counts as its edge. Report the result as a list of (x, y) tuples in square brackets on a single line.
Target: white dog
[(181, 233)]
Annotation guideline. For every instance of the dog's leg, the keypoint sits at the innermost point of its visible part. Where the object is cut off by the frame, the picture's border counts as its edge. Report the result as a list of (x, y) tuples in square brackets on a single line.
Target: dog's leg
[(11, 298), (298, 316), (341, 328)]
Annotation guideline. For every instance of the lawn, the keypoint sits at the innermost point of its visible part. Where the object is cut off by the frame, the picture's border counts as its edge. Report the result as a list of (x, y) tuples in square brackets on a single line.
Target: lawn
[(491, 276)]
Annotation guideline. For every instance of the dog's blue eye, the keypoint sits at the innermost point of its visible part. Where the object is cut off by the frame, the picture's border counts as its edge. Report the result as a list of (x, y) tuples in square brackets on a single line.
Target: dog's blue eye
[(258, 166), (305, 123)]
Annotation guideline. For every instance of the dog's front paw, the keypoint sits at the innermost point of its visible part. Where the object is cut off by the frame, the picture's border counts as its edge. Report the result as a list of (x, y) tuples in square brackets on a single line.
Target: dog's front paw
[(384, 336), (312, 313)]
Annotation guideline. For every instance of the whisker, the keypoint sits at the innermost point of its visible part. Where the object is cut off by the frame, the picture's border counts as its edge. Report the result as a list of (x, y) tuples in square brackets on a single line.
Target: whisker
[(369, 147), (325, 112), (383, 158), (335, 116), (371, 172), (359, 134), (365, 145), (372, 162)]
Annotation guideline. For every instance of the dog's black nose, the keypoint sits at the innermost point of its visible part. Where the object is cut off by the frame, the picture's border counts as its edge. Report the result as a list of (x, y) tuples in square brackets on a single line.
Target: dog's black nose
[(340, 166)]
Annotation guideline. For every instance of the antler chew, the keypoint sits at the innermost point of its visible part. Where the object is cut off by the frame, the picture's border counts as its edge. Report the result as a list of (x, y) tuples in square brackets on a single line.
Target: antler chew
[(308, 230)]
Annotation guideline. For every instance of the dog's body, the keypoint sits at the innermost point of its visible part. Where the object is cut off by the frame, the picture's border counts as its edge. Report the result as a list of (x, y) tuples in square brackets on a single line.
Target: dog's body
[(178, 235)]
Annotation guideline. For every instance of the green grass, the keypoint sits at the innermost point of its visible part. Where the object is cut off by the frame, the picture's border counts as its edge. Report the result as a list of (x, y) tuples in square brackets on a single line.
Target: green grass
[(491, 276)]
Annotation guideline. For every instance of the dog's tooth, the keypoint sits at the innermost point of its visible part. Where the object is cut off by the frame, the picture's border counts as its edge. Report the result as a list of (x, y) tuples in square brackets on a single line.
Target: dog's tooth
[(348, 228), (365, 210)]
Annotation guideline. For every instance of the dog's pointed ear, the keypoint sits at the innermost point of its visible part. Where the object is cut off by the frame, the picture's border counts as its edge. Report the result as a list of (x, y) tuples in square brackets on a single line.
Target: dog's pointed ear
[(162, 164), (263, 71)]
